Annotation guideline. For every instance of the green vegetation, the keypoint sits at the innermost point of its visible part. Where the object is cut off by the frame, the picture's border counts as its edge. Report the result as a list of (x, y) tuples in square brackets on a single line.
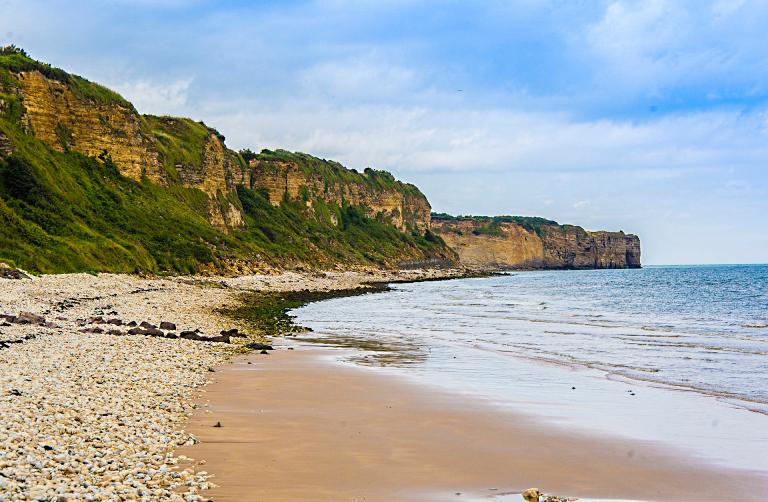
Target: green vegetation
[(333, 172), (267, 313), (67, 212), (16, 60)]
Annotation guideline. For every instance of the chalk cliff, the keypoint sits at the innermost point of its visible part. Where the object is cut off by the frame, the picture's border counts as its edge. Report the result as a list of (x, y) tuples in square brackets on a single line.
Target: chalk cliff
[(535, 243)]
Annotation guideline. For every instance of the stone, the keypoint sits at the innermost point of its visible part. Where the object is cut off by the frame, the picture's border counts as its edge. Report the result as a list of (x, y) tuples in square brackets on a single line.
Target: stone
[(145, 324), (7, 272), (115, 322), (531, 495), (29, 318), (258, 346), (168, 326), (191, 335)]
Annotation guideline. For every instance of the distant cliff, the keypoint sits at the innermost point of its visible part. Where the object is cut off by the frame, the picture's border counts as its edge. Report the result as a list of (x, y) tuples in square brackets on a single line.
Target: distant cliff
[(534, 243), (88, 183)]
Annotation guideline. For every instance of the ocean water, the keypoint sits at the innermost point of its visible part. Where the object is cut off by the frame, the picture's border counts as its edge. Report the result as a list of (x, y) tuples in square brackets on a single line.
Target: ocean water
[(675, 354)]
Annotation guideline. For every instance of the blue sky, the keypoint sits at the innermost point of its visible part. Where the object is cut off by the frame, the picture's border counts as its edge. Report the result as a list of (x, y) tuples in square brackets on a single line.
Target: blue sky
[(647, 116)]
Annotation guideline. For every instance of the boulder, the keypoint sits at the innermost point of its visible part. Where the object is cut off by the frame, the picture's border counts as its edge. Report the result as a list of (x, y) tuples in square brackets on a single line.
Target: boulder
[(7, 272), (232, 332), (145, 324), (531, 495), (29, 318), (153, 332), (168, 326), (115, 322), (258, 346), (191, 335)]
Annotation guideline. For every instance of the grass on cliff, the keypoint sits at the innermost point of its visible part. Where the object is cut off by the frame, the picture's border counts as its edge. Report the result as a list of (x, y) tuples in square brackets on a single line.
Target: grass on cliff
[(333, 172), (65, 212)]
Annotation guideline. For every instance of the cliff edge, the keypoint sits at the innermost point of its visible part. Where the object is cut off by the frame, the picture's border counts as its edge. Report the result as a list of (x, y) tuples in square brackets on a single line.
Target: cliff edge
[(515, 242)]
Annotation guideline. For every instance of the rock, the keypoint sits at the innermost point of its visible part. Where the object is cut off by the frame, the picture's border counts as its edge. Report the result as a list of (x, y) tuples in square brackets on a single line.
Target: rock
[(153, 332), (169, 326), (531, 495), (258, 346), (136, 331), (115, 322), (51, 325), (172, 336), (232, 332), (115, 332), (96, 320), (191, 335), (218, 424), (263, 352), (7, 272), (131, 324), (29, 318), (145, 324)]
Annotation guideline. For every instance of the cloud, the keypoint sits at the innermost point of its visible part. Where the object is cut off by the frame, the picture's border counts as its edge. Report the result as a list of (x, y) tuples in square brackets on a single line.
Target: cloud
[(581, 204), (159, 98)]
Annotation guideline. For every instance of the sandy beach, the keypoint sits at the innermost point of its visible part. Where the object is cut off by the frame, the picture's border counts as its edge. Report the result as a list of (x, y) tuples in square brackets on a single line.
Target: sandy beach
[(89, 411), (295, 426), (92, 412)]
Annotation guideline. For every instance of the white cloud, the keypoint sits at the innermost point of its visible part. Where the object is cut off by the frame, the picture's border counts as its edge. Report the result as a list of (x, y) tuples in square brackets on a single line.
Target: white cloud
[(581, 204), (159, 98), (435, 139)]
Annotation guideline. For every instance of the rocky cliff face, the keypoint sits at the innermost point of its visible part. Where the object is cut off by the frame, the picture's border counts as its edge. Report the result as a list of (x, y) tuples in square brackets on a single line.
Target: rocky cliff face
[(284, 175), (68, 120), (485, 243)]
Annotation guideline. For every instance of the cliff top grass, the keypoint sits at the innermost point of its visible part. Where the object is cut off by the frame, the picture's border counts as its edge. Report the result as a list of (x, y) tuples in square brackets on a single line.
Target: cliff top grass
[(334, 172), (15, 60)]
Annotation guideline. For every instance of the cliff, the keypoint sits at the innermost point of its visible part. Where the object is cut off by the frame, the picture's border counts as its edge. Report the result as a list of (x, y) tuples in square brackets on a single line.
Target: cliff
[(88, 183), (534, 243), (317, 183)]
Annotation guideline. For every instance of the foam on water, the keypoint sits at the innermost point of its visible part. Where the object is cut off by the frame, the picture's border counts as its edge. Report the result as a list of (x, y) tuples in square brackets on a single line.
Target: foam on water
[(628, 340)]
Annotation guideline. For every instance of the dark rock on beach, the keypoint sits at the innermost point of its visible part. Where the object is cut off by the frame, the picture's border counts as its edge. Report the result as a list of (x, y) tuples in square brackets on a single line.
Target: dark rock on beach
[(259, 346), (168, 326)]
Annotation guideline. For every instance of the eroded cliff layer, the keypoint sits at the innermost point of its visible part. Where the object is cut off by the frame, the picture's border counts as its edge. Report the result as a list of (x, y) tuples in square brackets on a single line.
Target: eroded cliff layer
[(534, 243), (317, 182)]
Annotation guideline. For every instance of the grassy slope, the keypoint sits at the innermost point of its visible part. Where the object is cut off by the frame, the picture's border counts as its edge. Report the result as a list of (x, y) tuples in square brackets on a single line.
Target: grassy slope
[(64, 212)]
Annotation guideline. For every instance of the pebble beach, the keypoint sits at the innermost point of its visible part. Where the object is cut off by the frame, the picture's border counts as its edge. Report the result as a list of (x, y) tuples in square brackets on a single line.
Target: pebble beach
[(91, 406)]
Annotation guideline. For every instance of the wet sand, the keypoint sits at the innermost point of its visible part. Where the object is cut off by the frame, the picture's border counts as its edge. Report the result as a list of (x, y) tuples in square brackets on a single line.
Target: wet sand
[(297, 426)]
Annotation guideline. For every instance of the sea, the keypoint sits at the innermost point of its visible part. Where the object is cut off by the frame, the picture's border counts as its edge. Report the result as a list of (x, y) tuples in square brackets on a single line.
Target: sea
[(676, 356)]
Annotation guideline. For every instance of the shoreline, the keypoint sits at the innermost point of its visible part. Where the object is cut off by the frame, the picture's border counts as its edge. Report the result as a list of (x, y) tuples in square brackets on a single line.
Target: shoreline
[(91, 412), (297, 426), (120, 415)]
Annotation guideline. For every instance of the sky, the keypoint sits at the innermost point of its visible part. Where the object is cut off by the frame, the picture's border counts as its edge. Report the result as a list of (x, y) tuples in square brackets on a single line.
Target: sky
[(644, 116)]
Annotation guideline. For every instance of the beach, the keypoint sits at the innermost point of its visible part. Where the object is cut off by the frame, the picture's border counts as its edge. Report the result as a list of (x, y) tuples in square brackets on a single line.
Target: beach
[(92, 414), (296, 426)]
